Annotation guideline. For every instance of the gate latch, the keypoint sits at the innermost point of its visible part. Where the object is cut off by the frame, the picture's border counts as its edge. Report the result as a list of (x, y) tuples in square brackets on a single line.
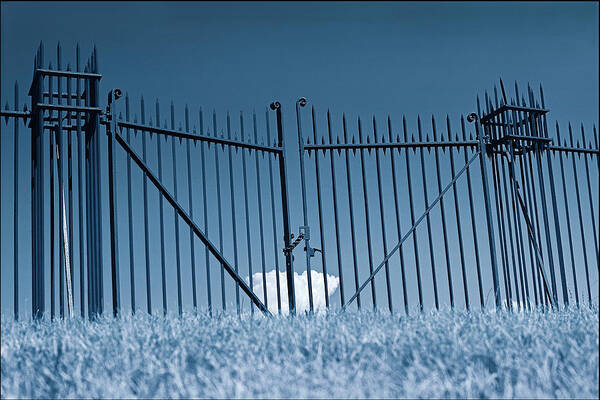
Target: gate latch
[(304, 234)]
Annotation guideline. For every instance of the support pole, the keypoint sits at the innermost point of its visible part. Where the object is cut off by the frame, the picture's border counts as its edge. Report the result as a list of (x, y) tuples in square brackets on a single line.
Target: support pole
[(289, 267), (488, 212)]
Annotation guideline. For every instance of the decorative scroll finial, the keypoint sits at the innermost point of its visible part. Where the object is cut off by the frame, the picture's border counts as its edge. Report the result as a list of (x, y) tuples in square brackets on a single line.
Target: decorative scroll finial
[(302, 101), (275, 105), (472, 117)]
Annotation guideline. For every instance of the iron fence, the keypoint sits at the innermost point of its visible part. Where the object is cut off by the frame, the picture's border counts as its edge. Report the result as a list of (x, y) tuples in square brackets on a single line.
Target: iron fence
[(468, 215)]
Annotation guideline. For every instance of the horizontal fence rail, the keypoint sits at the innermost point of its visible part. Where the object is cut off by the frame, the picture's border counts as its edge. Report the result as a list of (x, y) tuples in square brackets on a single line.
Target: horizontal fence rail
[(138, 207)]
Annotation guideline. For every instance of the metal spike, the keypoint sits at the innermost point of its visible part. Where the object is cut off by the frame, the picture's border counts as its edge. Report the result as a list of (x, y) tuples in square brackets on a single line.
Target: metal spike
[(496, 96)]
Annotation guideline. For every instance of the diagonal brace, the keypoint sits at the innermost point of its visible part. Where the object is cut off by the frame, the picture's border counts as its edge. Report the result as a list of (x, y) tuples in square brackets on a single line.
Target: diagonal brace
[(535, 245), (412, 229), (188, 220)]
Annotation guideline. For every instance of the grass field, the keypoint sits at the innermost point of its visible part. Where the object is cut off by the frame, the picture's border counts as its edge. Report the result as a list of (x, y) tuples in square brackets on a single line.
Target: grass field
[(367, 354)]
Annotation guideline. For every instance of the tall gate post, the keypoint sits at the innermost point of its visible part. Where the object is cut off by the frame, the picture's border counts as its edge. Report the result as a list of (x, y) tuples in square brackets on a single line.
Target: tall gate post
[(37, 188), (94, 196), (488, 213), (289, 267), (111, 129)]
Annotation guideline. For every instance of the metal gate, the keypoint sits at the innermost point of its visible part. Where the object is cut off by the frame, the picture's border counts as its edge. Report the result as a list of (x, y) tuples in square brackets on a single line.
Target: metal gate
[(375, 197)]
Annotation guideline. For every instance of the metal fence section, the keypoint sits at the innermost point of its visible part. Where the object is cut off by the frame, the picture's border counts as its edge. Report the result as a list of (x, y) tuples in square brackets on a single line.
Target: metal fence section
[(132, 208)]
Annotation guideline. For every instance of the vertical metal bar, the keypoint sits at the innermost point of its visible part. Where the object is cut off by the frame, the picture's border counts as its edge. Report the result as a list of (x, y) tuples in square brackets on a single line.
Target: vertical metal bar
[(88, 199), (175, 215), (129, 214), (524, 295), (16, 211), (546, 222), (518, 230), (530, 177), (335, 214), (412, 220), (425, 197), (561, 259), (397, 209), (60, 176), (233, 216), (525, 183), (582, 230), (502, 179), (37, 212), (146, 238), (499, 213), (349, 185), (457, 209), (52, 149), (112, 201), (289, 265), (205, 210), (472, 215), (275, 250), (527, 209), (320, 207), (382, 220), (163, 273), (260, 214), (96, 249), (507, 287), (34, 191), (587, 175), (246, 210), (219, 208), (566, 200), (443, 214), (191, 205), (367, 219), (520, 296), (486, 198), (95, 118), (513, 126), (301, 103), (70, 182), (79, 190)]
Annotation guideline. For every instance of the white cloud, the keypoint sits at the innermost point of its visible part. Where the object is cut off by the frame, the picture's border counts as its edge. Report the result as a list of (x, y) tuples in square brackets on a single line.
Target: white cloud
[(301, 289)]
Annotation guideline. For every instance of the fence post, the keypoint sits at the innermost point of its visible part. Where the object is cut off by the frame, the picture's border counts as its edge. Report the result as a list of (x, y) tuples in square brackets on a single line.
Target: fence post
[(488, 213), (93, 202), (37, 204), (301, 102), (289, 266), (111, 128)]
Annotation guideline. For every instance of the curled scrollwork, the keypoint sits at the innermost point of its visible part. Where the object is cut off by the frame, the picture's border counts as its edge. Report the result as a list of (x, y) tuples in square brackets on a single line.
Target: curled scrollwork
[(472, 117), (302, 101), (275, 105), (113, 95)]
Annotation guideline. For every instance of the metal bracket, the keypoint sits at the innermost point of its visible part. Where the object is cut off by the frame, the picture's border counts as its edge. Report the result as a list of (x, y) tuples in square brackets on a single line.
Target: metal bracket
[(304, 234), (113, 95)]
